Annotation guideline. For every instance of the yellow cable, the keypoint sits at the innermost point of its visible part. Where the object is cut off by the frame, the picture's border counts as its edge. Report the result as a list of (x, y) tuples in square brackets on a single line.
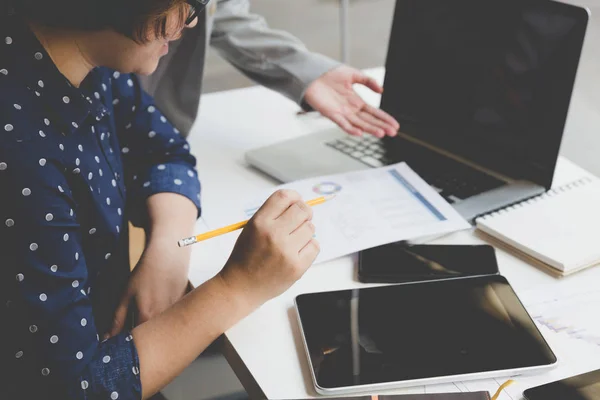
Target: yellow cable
[(501, 388)]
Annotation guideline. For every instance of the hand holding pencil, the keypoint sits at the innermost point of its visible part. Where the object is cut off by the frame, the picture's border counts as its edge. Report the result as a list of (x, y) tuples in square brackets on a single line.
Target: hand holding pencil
[(240, 225), (274, 250)]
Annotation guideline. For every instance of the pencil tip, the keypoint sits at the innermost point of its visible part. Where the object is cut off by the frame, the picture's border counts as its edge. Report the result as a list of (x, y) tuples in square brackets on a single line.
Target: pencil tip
[(330, 197)]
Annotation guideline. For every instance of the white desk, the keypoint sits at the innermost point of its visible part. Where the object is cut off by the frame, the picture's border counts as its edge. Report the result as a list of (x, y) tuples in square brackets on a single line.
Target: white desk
[(265, 349)]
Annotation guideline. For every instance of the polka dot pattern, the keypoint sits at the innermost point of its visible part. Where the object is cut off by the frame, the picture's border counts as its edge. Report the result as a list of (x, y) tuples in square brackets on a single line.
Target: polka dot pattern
[(74, 152)]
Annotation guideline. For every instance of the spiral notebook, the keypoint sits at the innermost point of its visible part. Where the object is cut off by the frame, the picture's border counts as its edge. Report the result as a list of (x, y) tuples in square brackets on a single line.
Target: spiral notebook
[(558, 230), (434, 396)]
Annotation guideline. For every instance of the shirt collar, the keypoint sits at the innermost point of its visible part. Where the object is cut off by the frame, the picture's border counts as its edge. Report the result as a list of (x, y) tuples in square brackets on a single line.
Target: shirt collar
[(30, 63)]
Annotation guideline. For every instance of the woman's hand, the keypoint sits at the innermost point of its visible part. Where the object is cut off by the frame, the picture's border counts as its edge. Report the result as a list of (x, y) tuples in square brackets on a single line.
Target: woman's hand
[(158, 281), (274, 250), (160, 278)]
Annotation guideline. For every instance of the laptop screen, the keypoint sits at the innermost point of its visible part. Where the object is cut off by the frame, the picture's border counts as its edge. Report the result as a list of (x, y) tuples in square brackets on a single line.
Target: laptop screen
[(489, 80)]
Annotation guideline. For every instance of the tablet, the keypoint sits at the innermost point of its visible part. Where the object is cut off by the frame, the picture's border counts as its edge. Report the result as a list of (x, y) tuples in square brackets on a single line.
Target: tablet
[(418, 333)]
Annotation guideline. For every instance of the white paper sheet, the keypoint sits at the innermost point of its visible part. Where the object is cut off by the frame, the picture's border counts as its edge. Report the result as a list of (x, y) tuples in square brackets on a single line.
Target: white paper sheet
[(371, 208)]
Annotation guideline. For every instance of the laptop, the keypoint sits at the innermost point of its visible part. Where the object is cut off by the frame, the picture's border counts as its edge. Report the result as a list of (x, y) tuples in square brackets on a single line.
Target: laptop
[(481, 89)]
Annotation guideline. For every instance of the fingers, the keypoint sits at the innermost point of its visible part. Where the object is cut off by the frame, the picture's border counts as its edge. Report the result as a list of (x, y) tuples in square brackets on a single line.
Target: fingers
[(310, 252), (120, 317), (369, 82), (309, 247), (382, 115), (277, 204), (296, 215), (370, 119), (364, 126), (343, 123), (303, 234)]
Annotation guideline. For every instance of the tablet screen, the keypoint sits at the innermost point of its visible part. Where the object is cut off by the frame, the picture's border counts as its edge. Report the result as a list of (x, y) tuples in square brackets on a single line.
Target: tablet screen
[(418, 331)]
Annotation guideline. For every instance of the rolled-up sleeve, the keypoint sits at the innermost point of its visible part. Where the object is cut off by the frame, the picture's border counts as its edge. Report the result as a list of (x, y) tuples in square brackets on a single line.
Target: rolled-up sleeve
[(56, 341), (156, 156)]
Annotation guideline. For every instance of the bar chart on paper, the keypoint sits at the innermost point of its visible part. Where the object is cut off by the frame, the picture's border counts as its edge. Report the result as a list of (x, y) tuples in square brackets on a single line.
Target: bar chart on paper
[(372, 207), (573, 317)]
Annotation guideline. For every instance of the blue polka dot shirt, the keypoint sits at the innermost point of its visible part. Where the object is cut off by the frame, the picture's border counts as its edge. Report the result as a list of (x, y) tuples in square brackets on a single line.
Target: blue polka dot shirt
[(76, 165)]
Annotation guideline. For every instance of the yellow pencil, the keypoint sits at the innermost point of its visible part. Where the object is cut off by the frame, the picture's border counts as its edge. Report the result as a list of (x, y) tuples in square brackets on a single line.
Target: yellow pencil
[(221, 231)]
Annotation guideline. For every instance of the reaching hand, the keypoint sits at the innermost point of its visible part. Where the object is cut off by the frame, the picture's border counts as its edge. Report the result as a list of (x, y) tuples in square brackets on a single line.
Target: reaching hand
[(334, 97)]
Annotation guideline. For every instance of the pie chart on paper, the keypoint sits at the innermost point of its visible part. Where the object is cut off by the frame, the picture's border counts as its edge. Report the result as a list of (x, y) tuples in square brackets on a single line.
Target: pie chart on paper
[(327, 188)]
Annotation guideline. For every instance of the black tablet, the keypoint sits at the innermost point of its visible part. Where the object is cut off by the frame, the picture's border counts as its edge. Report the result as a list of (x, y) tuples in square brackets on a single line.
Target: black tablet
[(580, 387), (418, 333)]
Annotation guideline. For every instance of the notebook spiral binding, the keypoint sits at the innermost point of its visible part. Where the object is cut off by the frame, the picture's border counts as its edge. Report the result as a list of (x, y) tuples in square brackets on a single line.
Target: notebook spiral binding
[(534, 199)]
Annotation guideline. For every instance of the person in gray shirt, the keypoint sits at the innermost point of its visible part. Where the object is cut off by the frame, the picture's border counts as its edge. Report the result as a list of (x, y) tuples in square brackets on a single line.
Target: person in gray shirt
[(270, 57)]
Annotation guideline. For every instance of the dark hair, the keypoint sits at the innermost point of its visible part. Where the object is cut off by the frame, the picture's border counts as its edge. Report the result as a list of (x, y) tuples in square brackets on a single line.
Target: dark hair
[(132, 18)]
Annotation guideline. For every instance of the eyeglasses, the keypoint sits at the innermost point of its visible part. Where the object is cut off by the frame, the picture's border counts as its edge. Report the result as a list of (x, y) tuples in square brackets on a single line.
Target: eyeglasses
[(195, 7)]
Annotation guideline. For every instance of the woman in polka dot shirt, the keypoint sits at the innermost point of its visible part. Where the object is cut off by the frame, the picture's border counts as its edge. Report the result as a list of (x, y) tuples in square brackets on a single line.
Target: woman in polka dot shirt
[(83, 151)]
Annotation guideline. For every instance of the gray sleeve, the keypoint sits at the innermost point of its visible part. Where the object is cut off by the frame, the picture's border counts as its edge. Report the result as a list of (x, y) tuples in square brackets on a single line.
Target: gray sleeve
[(270, 57)]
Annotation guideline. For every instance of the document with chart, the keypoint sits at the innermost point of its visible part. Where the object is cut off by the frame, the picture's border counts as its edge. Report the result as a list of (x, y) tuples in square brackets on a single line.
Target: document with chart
[(371, 207)]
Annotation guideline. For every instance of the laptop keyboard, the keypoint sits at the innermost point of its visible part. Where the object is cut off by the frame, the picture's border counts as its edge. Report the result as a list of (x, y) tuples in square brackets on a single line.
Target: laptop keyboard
[(453, 180)]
